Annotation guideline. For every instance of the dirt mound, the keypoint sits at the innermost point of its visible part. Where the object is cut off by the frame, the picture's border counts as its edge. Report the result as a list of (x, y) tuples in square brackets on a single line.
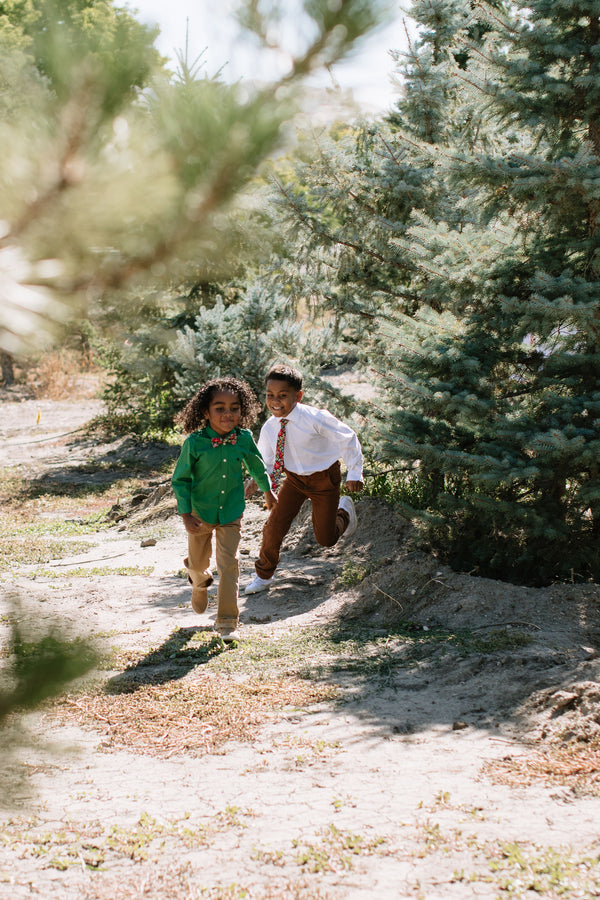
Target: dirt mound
[(152, 504), (570, 714), (530, 650)]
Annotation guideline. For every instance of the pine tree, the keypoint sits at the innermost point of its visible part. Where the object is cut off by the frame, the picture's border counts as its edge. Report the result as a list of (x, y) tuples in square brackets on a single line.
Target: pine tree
[(500, 390), (363, 206), (354, 200), (466, 251), (156, 367)]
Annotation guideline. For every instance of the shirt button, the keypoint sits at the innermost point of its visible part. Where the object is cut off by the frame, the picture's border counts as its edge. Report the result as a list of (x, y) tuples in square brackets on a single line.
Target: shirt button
[(224, 476), (222, 492)]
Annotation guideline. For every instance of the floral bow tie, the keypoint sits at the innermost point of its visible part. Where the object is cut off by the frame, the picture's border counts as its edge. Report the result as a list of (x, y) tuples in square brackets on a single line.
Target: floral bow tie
[(230, 438)]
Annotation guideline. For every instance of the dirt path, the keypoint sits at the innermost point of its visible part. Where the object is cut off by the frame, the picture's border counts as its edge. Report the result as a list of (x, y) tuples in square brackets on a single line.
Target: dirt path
[(385, 727)]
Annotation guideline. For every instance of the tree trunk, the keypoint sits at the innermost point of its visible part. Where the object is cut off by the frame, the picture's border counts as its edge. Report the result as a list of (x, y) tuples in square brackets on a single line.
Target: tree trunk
[(8, 370)]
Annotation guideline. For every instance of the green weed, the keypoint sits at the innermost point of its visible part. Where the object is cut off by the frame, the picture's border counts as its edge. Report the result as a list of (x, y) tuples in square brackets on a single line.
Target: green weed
[(335, 850), (97, 845), (548, 872), (353, 573)]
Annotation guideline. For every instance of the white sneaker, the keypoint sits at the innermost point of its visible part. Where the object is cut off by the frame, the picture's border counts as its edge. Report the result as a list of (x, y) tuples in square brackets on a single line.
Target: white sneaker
[(258, 584), (347, 505)]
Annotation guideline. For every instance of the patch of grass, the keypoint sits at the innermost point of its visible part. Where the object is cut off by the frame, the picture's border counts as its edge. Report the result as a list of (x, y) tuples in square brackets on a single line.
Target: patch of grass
[(496, 641), (518, 870), (334, 850), (185, 648), (97, 844), (93, 571), (36, 550), (547, 872), (323, 652), (311, 750), (316, 654), (39, 541)]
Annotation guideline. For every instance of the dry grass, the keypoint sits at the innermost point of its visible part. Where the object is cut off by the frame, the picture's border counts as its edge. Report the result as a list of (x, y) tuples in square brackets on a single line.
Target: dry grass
[(179, 882), (194, 716), (63, 375), (576, 767)]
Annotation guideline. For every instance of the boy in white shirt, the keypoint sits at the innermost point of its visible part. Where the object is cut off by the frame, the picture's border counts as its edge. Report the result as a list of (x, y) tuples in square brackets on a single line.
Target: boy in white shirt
[(306, 443)]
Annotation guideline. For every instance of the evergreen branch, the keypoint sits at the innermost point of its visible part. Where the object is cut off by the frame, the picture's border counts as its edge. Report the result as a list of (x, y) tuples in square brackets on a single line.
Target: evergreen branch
[(489, 14), (411, 297), (475, 85), (331, 239), (356, 312), (429, 149), (68, 172), (380, 289), (215, 197), (410, 47), (392, 156), (333, 174)]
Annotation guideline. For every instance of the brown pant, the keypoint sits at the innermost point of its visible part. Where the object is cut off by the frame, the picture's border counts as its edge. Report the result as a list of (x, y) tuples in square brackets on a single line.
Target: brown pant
[(198, 561), (329, 522)]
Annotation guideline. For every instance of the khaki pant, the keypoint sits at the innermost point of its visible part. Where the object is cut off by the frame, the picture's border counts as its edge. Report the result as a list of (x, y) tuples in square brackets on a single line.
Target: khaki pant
[(198, 565), (329, 522)]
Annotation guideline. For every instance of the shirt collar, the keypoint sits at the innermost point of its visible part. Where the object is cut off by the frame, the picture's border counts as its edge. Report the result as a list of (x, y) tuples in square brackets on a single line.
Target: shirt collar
[(211, 433), (291, 415)]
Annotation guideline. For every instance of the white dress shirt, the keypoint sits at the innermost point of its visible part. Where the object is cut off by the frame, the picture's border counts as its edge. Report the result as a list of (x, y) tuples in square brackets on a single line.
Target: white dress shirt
[(314, 440)]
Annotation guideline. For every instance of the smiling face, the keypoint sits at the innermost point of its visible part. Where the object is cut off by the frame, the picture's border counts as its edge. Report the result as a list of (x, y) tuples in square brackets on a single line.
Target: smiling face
[(224, 412), (281, 397)]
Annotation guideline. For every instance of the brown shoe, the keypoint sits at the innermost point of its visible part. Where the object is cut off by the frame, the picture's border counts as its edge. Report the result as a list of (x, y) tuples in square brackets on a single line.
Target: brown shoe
[(199, 600), (228, 634)]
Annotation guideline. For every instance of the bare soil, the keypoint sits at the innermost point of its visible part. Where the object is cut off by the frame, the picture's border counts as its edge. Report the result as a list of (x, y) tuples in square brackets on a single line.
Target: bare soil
[(385, 727)]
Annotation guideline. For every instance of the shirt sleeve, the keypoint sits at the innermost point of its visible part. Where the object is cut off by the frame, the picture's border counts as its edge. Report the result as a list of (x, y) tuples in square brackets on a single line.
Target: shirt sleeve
[(266, 447), (254, 462), (182, 479), (347, 442)]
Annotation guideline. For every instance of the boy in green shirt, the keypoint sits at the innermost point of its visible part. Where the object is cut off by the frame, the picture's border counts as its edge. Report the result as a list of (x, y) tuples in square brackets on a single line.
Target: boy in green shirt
[(208, 483)]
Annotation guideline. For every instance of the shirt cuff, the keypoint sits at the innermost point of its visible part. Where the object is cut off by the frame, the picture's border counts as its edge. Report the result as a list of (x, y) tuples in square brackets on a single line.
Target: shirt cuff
[(354, 475)]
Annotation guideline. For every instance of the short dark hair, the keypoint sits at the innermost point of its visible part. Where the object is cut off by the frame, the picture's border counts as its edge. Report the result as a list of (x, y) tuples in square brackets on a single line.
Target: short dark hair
[(194, 415), (285, 373)]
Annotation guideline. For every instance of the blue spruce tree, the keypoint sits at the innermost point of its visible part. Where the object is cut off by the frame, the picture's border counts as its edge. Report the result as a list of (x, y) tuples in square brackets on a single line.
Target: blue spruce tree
[(500, 389)]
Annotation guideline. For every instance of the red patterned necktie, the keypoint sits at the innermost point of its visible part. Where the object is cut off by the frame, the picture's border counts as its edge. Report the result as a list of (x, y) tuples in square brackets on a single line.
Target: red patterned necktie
[(230, 438), (278, 465)]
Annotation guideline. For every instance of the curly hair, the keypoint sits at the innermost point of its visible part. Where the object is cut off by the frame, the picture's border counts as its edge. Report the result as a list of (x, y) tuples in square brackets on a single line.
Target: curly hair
[(194, 414)]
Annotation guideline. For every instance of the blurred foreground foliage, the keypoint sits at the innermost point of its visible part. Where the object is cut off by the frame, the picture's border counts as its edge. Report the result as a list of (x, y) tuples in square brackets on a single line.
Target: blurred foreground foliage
[(117, 175)]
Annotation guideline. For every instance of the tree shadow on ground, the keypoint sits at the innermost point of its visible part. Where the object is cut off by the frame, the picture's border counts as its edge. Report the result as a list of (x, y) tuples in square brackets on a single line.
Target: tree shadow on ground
[(102, 466), (172, 661)]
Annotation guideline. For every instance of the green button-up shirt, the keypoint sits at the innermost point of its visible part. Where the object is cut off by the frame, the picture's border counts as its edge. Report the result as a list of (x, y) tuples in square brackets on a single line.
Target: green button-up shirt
[(209, 481)]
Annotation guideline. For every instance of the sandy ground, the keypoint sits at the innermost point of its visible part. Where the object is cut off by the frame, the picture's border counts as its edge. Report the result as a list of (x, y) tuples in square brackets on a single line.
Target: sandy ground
[(419, 779)]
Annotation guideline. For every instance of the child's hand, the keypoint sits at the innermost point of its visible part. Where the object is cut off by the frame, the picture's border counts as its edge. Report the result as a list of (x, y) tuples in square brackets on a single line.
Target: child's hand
[(250, 489), (270, 499), (191, 523), (354, 486)]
